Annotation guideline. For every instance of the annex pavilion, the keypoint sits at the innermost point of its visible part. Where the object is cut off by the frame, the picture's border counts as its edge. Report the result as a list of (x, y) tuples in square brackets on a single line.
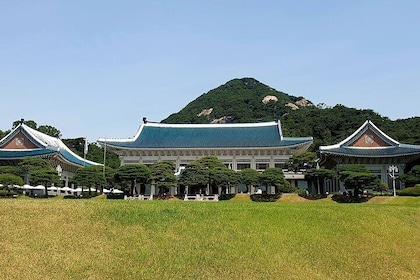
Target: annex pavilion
[(237, 145), (24, 141), (368, 145)]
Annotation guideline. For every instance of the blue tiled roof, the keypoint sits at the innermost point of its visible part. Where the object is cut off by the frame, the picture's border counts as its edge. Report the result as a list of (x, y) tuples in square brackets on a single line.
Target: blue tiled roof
[(401, 150), (71, 157), (16, 154), (208, 136)]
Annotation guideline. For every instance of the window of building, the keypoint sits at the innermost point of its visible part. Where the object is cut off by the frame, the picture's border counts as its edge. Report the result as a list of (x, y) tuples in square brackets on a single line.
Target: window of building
[(262, 166), (241, 166)]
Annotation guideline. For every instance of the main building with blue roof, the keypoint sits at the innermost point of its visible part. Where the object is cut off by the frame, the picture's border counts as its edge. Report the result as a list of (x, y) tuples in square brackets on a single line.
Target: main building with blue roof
[(238, 145)]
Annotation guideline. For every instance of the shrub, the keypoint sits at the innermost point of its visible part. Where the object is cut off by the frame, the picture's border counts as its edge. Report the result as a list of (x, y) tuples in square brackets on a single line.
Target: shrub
[(413, 191), (115, 196), (265, 197), (226, 196), (69, 197), (349, 199), (161, 196), (7, 193), (313, 196)]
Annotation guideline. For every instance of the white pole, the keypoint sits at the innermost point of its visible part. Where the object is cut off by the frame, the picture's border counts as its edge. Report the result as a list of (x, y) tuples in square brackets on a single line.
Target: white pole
[(392, 169), (104, 158)]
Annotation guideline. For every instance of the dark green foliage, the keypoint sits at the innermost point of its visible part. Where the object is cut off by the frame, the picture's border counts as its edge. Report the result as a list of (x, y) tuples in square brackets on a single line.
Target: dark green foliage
[(312, 196), (3, 133), (413, 191), (89, 177), (349, 199), (162, 174), (318, 175), (223, 177), (249, 176), (115, 196), (29, 123), (95, 152), (132, 174), (9, 170), (265, 197), (10, 179), (275, 177), (8, 193), (301, 161), (412, 177), (226, 196), (357, 177), (49, 130), (240, 101), (38, 171)]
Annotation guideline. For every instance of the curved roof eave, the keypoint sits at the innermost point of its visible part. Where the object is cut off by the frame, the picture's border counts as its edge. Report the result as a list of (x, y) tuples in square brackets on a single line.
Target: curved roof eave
[(308, 142)]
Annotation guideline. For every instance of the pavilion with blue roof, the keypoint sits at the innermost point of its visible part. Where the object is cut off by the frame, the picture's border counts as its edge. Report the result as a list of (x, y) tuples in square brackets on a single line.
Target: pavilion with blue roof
[(370, 146), (24, 141)]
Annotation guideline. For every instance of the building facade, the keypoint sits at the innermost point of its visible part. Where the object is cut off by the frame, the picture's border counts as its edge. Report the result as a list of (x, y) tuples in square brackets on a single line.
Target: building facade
[(371, 147), (238, 146)]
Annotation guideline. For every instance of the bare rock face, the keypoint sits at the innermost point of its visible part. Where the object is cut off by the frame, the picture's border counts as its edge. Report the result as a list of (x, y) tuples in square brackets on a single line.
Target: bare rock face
[(269, 98), (303, 102), (219, 120), (205, 112), (293, 106)]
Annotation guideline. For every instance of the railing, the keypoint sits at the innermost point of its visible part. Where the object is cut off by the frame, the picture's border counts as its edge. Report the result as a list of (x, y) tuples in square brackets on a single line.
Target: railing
[(199, 197)]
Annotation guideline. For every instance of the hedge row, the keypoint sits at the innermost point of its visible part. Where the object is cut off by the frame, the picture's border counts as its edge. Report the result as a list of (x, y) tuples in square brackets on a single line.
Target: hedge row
[(313, 196), (265, 197), (413, 191), (349, 199)]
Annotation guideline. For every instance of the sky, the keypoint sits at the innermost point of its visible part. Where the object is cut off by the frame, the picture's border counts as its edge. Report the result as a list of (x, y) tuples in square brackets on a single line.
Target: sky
[(96, 68)]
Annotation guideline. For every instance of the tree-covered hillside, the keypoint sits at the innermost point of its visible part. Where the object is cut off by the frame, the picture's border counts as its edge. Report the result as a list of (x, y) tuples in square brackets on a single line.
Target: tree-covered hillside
[(247, 100), (239, 100)]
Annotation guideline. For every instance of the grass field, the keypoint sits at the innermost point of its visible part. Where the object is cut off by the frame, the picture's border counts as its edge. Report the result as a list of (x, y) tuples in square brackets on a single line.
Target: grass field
[(237, 239)]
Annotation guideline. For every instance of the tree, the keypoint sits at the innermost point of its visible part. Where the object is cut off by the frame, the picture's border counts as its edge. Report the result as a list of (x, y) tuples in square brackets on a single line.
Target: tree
[(357, 177), (45, 177), (30, 164), (304, 160), (274, 177), (29, 123), (319, 175), (10, 180), (89, 176), (38, 171), (3, 133), (9, 170), (49, 130), (136, 173), (109, 175), (249, 177), (412, 177), (194, 175), (162, 174), (210, 162), (223, 177)]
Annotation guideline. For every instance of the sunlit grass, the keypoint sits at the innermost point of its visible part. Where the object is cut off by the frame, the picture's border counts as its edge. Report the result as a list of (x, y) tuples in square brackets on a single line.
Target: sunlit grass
[(238, 239)]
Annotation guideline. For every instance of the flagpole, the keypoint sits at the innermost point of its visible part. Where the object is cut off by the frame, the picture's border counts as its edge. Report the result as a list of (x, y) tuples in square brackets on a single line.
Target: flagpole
[(104, 157), (85, 151)]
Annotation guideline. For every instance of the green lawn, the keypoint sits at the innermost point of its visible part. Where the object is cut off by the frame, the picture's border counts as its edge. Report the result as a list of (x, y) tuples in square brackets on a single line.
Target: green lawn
[(238, 239)]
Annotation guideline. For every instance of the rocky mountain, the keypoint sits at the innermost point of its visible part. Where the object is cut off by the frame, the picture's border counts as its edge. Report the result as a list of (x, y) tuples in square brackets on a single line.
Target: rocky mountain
[(248, 100), (239, 100)]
